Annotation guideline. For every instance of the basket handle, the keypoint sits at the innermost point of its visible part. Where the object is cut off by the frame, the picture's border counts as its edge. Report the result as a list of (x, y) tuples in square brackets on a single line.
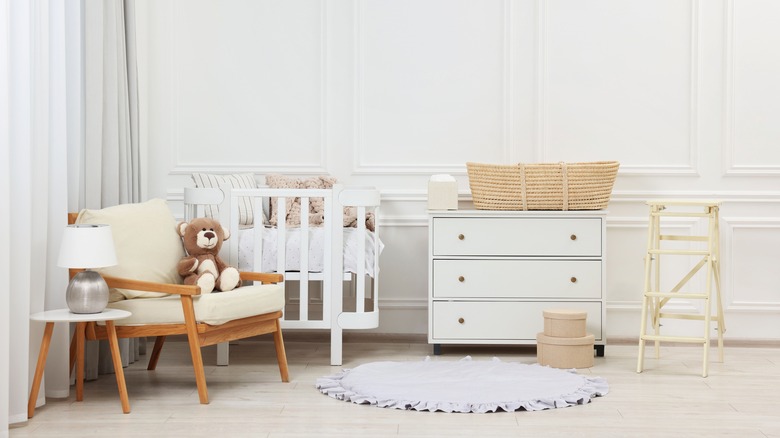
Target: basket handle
[(523, 187), (565, 186)]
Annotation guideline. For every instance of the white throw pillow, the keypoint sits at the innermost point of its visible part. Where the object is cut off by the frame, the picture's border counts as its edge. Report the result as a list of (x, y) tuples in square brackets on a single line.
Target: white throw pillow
[(246, 205), (148, 248)]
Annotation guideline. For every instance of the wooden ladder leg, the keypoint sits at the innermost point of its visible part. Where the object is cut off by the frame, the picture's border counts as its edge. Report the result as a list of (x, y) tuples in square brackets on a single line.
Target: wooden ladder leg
[(645, 301), (708, 303), (657, 304), (720, 317)]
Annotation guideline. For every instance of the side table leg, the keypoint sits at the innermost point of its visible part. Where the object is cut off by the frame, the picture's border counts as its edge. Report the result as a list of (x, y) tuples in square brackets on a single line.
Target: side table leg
[(72, 352), (80, 328), (39, 367), (117, 359)]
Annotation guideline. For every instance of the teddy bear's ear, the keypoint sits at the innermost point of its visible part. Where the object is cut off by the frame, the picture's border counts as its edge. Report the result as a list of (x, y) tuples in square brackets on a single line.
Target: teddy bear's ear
[(225, 233), (181, 228)]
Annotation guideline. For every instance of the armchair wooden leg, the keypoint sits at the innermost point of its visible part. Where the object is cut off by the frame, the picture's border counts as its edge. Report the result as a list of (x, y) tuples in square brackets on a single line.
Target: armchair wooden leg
[(281, 355), (158, 344), (197, 358), (117, 359)]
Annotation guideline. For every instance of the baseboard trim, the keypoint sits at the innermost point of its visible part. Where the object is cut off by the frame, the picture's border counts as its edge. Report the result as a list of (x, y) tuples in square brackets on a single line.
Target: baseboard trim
[(356, 337)]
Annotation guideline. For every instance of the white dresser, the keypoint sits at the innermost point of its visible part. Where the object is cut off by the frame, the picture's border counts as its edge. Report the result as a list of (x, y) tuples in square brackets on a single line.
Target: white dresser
[(491, 274)]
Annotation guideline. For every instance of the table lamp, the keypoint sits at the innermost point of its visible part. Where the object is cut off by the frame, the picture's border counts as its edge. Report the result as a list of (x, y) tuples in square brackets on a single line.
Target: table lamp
[(87, 246)]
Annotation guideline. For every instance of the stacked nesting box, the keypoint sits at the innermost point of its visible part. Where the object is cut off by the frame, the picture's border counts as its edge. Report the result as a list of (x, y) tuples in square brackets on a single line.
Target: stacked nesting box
[(564, 342)]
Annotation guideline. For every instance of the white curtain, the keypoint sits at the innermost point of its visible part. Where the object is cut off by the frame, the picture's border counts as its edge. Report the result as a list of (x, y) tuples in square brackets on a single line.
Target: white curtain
[(42, 154), (33, 194), (111, 160)]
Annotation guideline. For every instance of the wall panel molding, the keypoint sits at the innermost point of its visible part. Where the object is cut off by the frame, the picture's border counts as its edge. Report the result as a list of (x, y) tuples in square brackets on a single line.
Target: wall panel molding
[(360, 167), (732, 301), (542, 125), (735, 196), (181, 166), (730, 167)]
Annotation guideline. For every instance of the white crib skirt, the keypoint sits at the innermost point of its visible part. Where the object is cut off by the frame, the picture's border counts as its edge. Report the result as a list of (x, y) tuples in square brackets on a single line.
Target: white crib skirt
[(246, 250)]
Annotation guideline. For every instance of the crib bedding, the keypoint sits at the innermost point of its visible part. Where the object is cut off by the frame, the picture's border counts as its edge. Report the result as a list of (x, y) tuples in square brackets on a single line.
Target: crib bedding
[(246, 249)]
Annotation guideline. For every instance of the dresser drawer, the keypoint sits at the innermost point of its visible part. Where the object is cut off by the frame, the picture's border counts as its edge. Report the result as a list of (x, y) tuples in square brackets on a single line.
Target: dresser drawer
[(517, 236), (503, 321), (567, 279)]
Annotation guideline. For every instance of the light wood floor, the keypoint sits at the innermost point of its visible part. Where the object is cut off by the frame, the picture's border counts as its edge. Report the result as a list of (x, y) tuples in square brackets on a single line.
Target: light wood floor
[(670, 399)]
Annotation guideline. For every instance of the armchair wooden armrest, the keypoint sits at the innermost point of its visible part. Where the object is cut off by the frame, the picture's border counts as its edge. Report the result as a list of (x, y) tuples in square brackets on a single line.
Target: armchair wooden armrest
[(263, 277), (149, 286)]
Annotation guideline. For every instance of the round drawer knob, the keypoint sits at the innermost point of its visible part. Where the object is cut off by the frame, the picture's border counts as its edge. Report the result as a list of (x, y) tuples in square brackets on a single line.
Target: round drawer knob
[(573, 237), (461, 279), (461, 237), (574, 279), (461, 320)]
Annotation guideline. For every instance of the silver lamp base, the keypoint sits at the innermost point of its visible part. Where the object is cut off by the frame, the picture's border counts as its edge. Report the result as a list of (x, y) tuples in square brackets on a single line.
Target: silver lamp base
[(87, 293)]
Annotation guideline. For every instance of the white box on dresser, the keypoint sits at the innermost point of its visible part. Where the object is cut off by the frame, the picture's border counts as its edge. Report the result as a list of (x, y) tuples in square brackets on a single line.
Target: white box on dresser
[(491, 274)]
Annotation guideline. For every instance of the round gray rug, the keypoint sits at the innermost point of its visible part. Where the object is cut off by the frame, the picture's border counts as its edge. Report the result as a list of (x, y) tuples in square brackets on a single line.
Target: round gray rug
[(462, 386)]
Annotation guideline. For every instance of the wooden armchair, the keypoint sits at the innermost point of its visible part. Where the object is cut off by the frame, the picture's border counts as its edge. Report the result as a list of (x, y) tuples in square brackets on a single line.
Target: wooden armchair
[(163, 308)]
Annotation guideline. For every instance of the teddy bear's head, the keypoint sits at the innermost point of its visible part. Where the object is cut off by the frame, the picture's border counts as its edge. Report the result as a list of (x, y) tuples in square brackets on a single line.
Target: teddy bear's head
[(202, 236)]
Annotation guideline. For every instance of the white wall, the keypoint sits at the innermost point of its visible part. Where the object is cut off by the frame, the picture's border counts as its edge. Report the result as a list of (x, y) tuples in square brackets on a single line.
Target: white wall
[(684, 93)]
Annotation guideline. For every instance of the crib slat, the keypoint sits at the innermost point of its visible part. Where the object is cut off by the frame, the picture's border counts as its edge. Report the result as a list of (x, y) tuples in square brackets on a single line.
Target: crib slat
[(257, 233), (304, 254), (327, 263), (360, 306), (281, 235)]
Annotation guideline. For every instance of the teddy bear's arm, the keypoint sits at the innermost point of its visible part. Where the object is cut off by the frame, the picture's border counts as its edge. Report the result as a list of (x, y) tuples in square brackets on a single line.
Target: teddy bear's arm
[(187, 266), (221, 265)]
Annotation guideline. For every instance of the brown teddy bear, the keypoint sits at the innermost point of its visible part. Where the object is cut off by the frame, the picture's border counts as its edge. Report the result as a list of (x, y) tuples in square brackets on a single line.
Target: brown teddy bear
[(202, 266)]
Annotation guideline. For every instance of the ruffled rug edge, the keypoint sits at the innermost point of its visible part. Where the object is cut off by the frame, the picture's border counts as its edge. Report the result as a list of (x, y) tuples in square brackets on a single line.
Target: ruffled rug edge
[(592, 387)]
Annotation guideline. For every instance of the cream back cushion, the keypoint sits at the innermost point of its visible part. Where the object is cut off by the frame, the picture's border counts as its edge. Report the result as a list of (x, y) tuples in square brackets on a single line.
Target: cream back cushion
[(246, 205), (148, 247)]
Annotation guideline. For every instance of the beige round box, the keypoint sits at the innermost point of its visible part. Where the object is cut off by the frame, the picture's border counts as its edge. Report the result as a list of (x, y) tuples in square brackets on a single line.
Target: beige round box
[(565, 352), (564, 323)]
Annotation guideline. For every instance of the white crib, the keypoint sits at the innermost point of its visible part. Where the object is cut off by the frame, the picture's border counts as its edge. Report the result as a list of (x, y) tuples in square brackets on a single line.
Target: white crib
[(330, 297)]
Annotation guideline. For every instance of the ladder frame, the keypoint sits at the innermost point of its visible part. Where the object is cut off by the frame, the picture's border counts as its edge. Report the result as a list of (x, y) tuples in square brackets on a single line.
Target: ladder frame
[(654, 300)]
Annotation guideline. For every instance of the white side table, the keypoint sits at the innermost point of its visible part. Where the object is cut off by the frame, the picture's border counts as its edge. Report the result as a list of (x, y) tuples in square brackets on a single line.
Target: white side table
[(81, 320)]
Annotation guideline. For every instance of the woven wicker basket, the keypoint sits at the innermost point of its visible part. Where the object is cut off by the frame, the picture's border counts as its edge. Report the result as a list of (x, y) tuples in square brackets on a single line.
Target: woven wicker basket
[(543, 186)]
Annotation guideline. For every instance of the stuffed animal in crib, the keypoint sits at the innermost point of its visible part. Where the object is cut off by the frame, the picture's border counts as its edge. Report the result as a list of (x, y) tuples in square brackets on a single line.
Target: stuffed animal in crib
[(202, 266)]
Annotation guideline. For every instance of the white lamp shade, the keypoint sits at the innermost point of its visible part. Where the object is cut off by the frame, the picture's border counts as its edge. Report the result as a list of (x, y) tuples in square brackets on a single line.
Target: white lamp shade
[(87, 246)]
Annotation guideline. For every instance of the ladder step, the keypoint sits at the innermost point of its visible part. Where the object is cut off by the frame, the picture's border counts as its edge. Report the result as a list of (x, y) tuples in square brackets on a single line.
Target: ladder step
[(685, 202), (680, 214), (675, 295), (685, 238), (674, 339), (677, 252), (687, 316)]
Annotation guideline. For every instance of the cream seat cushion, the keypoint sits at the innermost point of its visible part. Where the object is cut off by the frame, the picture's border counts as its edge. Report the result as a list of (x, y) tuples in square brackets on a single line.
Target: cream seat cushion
[(213, 309)]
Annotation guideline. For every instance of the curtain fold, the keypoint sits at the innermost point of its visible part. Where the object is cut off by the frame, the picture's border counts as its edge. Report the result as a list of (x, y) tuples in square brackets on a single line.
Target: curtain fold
[(33, 195), (112, 159)]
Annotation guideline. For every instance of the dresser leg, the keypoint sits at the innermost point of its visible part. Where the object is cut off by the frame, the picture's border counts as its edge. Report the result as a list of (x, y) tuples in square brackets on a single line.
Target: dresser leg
[(599, 350), (437, 349)]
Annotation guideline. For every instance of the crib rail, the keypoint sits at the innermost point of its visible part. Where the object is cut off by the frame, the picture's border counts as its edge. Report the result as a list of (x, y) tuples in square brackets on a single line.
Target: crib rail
[(343, 294), (345, 300)]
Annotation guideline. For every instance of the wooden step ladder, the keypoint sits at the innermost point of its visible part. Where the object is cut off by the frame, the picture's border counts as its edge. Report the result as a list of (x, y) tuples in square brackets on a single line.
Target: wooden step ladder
[(654, 299)]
